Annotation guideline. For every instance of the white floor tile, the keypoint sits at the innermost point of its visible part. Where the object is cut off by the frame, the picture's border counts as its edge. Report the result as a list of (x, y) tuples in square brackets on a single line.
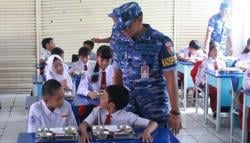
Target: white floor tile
[(187, 139)]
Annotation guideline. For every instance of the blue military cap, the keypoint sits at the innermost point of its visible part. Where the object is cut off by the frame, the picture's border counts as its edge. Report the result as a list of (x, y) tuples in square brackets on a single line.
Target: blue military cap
[(224, 6), (125, 14)]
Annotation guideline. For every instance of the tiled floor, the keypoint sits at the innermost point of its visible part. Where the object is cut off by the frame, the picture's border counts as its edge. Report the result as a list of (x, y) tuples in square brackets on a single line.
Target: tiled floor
[(13, 120)]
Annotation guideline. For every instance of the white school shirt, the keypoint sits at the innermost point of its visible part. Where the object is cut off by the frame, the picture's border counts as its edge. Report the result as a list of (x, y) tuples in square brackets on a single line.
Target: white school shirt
[(207, 64), (92, 56), (50, 74), (243, 60), (87, 86), (119, 117), (79, 65), (45, 55), (198, 55), (41, 117)]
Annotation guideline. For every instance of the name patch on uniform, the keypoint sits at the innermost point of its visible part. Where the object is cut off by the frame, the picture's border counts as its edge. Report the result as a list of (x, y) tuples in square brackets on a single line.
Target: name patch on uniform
[(65, 116), (168, 61), (32, 120)]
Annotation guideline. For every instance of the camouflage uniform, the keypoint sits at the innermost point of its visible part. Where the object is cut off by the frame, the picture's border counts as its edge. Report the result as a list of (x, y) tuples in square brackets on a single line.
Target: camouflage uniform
[(148, 96)]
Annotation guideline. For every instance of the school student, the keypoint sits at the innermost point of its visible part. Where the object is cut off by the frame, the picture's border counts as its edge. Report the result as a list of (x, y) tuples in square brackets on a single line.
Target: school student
[(59, 51), (56, 70), (213, 63), (90, 44), (52, 111), (83, 64), (243, 61), (48, 44), (192, 52), (100, 76), (111, 112)]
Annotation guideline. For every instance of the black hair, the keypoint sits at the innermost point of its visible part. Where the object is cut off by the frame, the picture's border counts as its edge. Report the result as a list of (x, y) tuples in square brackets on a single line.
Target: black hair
[(57, 51), (46, 41), (90, 43), (84, 51), (56, 59), (105, 52), (194, 44), (119, 95), (246, 50), (212, 45), (50, 86)]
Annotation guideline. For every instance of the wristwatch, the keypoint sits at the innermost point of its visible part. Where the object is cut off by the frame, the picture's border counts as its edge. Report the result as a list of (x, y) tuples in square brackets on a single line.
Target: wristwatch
[(175, 113)]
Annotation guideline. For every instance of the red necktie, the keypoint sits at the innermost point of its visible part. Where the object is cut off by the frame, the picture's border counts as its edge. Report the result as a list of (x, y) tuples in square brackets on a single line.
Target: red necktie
[(108, 119), (215, 66), (85, 68), (103, 80)]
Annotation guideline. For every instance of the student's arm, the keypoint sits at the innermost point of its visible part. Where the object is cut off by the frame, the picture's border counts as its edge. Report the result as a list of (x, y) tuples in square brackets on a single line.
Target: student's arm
[(71, 120), (87, 123), (98, 40), (84, 138), (34, 121), (146, 135)]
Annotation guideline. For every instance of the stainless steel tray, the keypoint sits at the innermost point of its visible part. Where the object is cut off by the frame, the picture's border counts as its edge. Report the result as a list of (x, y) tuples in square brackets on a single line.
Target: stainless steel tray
[(113, 132), (56, 134)]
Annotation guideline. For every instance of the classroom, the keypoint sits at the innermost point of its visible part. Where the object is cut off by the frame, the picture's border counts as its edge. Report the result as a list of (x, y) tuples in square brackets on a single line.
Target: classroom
[(124, 71)]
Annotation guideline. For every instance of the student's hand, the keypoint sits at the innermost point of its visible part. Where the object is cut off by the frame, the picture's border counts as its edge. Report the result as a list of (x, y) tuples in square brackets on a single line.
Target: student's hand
[(146, 137), (96, 40), (174, 123), (65, 85), (84, 139), (93, 95)]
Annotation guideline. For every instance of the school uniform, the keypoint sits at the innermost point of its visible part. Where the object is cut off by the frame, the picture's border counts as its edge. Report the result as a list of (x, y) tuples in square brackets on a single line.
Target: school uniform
[(209, 64), (92, 56), (41, 117), (185, 53), (45, 55), (81, 66), (105, 79), (51, 74), (101, 116), (243, 61)]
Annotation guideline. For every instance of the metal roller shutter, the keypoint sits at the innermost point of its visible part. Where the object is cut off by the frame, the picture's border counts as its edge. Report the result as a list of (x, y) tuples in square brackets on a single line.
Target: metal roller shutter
[(17, 44)]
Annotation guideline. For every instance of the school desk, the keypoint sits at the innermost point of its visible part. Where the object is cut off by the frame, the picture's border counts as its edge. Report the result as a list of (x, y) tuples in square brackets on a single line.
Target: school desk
[(185, 68), (223, 83), (160, 135)]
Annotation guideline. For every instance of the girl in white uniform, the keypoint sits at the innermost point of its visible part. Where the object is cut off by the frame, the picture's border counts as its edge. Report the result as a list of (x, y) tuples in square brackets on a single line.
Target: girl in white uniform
[(99, 76), (243, 61), (56, 70), (213, 63)]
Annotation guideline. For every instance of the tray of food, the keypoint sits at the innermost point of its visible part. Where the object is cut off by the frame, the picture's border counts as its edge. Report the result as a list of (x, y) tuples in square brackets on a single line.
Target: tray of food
[(113, 132), (79, 73), (56, 134), (68, 95)]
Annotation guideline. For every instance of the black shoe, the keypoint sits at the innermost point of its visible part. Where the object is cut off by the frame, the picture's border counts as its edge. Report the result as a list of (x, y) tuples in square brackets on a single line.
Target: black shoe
[(214, 115)]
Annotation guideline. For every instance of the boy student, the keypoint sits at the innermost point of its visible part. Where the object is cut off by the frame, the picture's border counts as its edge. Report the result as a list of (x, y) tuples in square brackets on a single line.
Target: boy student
[(111, 111), (48, 44), (82, 64), (52, 110), (90, 44), (192, 52)]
